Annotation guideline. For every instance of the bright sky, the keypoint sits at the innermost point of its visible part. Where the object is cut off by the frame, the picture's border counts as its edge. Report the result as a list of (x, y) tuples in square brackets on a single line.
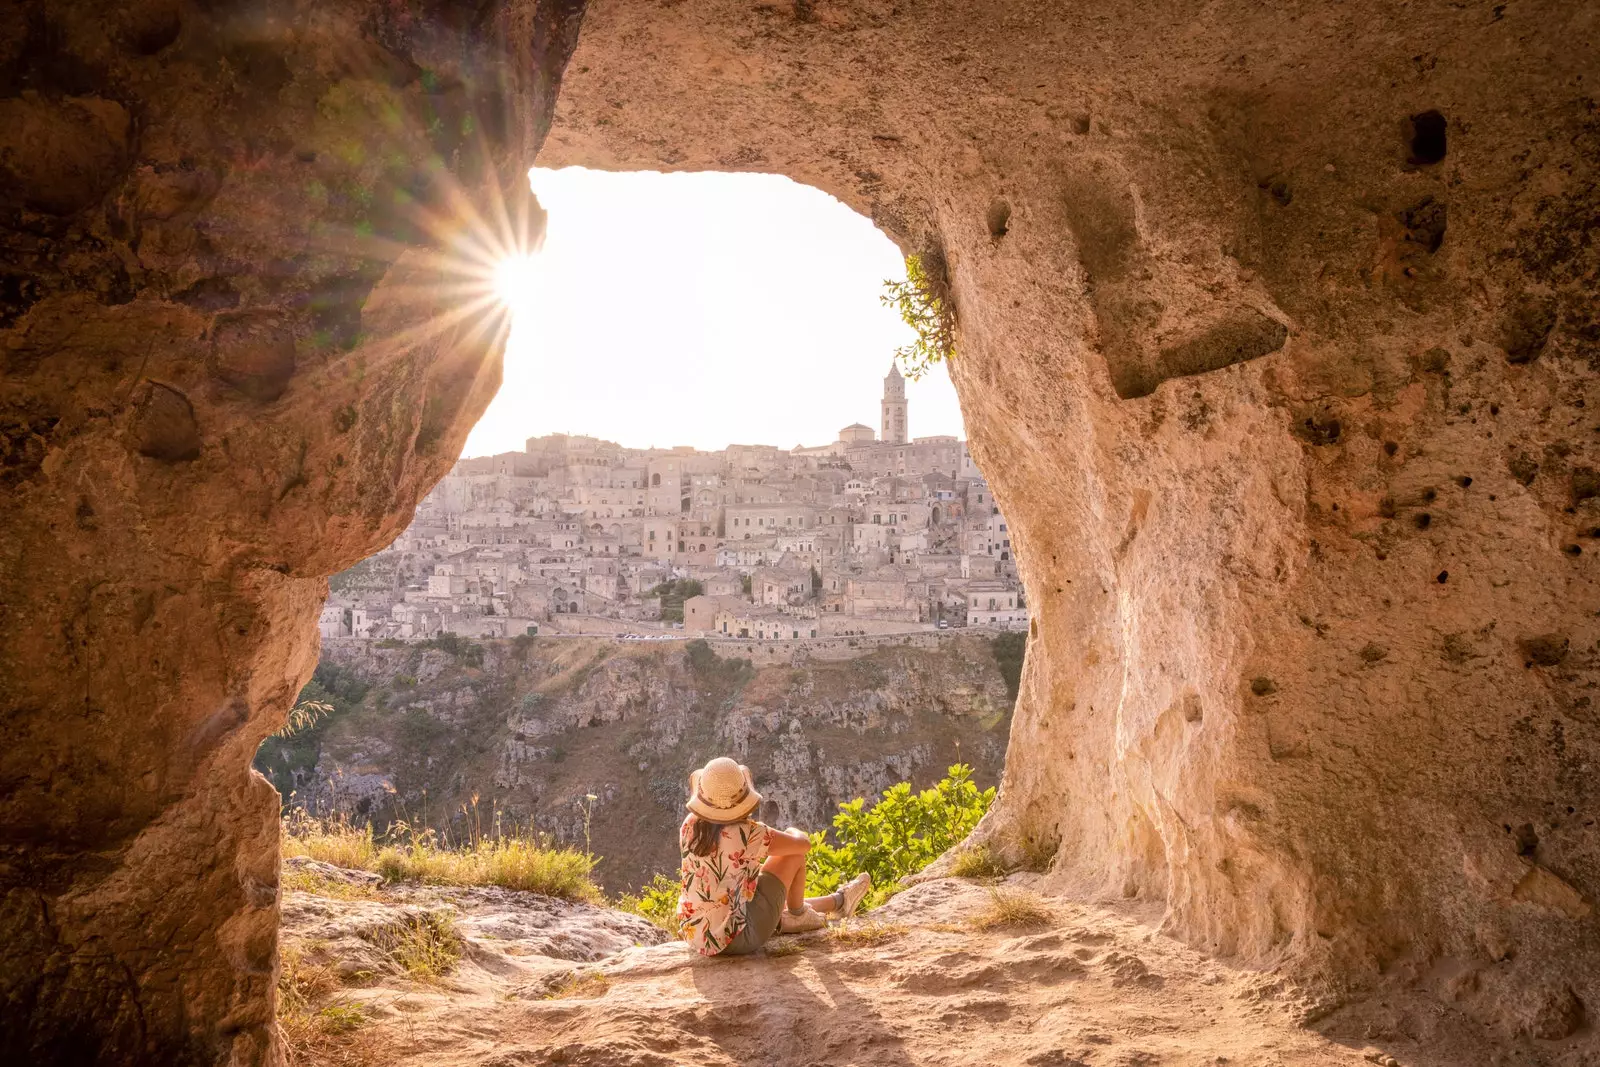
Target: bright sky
[(702, 309)]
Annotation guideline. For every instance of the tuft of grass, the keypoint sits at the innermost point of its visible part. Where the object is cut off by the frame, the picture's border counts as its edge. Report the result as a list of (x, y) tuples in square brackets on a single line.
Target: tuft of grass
[(312, 1028), (425, 945), (977, 862), (302, 982), (342, 1018), (1038, 853), (584, 985), (315, 884), (778, 948), (1013, 909), (865, 934)]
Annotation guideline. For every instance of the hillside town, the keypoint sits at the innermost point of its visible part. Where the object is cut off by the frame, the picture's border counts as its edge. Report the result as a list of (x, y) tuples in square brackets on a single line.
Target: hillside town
[(875, 533)]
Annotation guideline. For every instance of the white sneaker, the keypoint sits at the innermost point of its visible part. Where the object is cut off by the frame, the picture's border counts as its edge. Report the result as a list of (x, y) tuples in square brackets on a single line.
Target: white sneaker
[(802, 922), (852, 893)]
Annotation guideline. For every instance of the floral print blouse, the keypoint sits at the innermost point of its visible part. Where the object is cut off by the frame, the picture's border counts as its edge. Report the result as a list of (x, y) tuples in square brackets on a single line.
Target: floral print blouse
[(716, 888)]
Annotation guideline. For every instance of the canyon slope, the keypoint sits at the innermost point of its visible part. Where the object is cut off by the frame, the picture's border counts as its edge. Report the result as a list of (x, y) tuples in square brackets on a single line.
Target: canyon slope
[(534, 727)]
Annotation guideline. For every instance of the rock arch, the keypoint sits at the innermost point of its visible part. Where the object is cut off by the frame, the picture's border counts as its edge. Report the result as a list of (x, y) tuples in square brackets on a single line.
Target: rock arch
[(1232, 323)]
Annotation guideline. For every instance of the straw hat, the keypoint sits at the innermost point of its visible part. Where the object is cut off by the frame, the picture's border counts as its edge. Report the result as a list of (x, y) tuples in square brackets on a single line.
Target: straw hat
[(722, 791)]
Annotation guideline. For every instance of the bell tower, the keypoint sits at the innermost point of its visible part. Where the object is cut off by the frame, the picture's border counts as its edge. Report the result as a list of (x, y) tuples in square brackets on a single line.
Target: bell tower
[(894, 408)]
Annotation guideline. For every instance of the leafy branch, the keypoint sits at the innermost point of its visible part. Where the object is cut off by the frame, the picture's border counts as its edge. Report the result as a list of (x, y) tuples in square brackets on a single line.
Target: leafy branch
[(923, 301)]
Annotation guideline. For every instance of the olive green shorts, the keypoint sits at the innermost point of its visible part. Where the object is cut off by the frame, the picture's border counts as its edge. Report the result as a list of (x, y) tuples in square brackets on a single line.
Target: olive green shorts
[(761, 916)]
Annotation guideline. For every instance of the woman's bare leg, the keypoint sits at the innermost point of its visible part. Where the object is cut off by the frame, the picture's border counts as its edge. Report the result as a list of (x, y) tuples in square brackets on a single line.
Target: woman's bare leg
[(791, 871)]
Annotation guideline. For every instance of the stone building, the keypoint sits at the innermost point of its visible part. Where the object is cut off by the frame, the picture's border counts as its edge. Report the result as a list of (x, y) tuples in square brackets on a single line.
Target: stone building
[(894, 407)]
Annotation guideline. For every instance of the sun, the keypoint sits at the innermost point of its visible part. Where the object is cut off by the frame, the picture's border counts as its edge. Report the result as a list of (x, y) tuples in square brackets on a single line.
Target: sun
[(514, 279)]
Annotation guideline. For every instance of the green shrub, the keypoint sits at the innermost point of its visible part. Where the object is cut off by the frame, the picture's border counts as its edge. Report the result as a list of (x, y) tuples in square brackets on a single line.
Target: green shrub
[(467, 653), (923, 301), (657, 901), (897, 836), (705, 662), (673, 594)]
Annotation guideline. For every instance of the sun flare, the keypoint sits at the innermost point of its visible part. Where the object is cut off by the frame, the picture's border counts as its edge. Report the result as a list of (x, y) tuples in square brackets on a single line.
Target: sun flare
[(514, 277)]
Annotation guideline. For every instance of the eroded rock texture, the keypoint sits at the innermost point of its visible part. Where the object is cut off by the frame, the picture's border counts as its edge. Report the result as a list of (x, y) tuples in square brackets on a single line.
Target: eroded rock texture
[(234, 360), (1277, 336)]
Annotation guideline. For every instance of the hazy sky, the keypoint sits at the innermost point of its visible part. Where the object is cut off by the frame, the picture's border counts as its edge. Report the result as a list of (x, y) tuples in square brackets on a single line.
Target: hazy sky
[(702, 309)]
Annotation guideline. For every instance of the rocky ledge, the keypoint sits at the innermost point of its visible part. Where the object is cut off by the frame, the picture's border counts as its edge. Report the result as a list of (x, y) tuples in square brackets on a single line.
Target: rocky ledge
[(950, 971)]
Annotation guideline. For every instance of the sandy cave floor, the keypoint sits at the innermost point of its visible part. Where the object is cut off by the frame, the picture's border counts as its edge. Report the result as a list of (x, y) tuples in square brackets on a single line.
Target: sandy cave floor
[(544, 982)]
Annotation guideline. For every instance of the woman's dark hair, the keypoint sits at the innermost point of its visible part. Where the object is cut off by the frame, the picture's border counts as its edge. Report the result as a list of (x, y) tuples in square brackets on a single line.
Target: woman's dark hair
[(703, 838)]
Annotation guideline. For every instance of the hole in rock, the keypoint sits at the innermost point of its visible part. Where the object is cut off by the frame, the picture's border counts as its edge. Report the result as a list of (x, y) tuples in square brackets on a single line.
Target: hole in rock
[(999, 219), (1426, 138), (687, 495)]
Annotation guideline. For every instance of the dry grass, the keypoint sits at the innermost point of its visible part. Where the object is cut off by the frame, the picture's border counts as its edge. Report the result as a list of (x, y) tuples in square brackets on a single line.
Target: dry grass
[(510, 862), (1013, 909), (861, 934), (311, 882), (335, 842), (425, 945), (787, 946), (314, 1031), (978, 862), (514, 860), (1038, 853), (581, 985)]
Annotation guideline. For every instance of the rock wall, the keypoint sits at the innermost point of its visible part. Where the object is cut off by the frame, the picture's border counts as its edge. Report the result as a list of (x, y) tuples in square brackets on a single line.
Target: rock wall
[(1276, 336), (231, 297), (539, 726)]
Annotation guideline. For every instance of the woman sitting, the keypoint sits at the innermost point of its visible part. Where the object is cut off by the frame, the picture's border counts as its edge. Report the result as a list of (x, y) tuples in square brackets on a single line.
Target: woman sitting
[(743, 881)]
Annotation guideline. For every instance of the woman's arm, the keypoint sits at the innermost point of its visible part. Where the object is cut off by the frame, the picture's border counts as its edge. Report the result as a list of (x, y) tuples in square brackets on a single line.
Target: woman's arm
[(790, 842)]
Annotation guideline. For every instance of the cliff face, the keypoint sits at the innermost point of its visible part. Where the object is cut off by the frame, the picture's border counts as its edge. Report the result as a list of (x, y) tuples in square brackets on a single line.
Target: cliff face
[(540, 725)]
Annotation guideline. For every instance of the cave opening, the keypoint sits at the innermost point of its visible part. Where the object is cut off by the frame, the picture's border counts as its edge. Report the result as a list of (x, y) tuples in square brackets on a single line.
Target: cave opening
[(630, 491)]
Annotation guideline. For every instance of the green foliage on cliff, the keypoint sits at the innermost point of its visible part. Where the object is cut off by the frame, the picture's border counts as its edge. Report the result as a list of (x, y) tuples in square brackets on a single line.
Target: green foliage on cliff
[(897, 836), (1009, 649), (673, 594), (923, 301), (704, 661), (468, 653)]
